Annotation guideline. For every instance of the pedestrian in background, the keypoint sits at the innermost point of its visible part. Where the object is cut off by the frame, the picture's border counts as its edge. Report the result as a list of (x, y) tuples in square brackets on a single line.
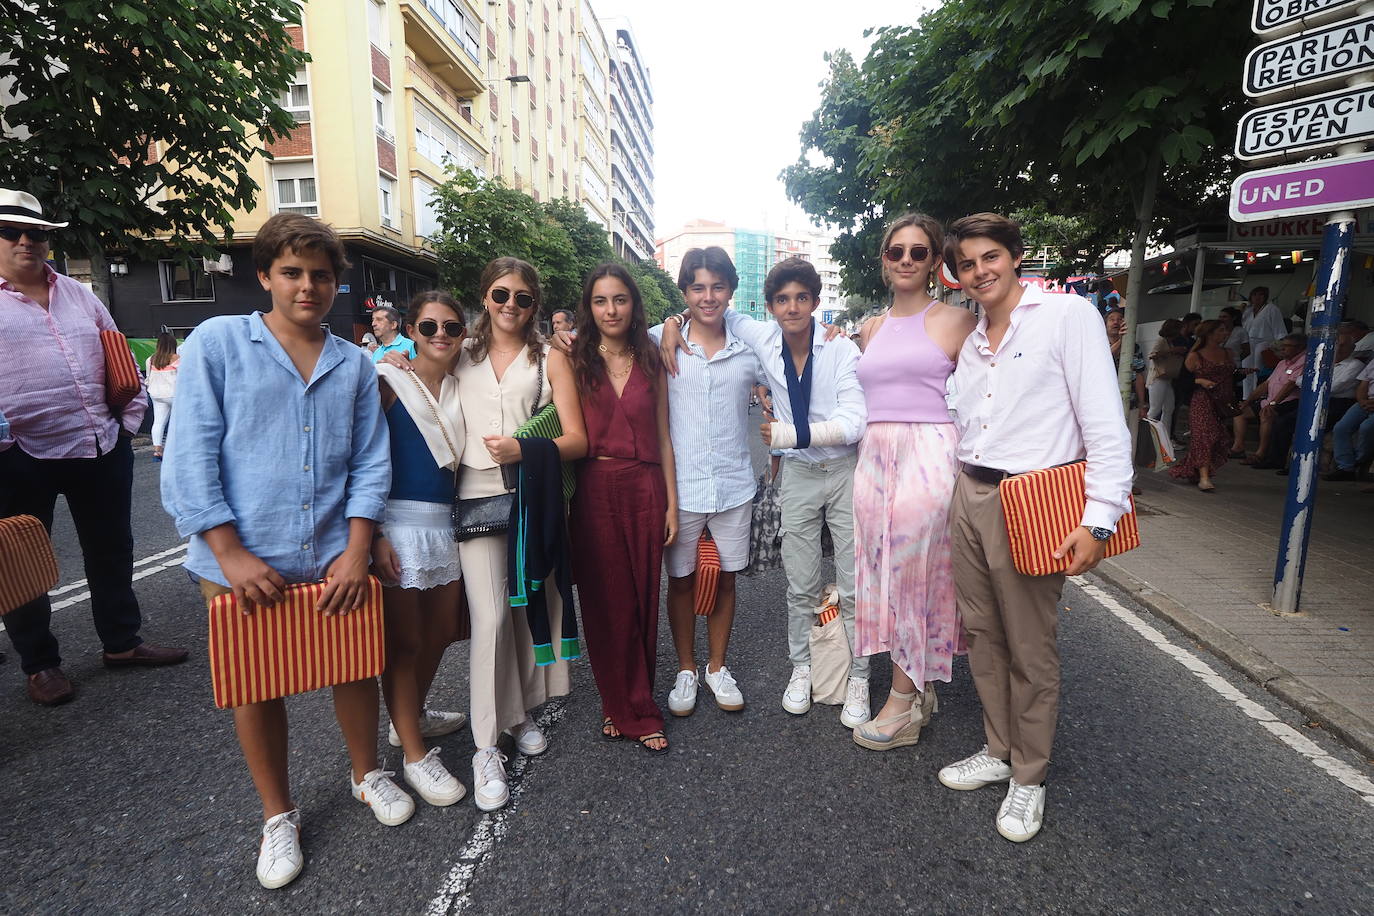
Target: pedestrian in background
[(563, 321), (63, 439), (625, 509), (257, 392), (903, 582), (505, 376), (160, 370), (1166, 360), (415, 553), (1209, 410), (386, 325)]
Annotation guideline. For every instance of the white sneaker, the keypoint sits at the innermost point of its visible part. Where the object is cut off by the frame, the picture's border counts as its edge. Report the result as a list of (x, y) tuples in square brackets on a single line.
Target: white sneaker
[(388, 802), (280, 859), (489, 787), (682, 699), (975, 771), (529, 739), (855, 711), (796, 699), (433, 724), (432, 781), (1022, 812), (722, 684)]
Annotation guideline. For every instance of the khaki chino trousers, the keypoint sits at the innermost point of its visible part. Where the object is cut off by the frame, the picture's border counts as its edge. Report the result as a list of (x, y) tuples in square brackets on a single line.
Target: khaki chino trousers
[(1012, 622)]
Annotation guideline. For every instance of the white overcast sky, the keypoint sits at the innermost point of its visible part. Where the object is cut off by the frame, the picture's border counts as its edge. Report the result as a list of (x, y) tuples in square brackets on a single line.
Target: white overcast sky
[(733, 82)]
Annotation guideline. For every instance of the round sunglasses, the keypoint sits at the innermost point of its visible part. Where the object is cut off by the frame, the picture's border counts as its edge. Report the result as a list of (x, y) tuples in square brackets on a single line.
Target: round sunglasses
[(895, 253), (500, 295), (428, 327)]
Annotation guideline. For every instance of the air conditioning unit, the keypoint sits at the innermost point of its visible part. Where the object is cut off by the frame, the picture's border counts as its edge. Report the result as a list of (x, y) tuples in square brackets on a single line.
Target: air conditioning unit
[(224, 264)]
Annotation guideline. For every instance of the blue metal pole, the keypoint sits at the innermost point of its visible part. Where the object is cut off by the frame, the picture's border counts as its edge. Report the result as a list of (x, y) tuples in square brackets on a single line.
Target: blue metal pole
[(1324, 318)]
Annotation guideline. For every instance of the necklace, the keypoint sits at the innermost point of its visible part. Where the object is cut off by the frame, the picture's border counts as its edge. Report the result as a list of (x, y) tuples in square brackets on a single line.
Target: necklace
[(617, 373), (604, 349)]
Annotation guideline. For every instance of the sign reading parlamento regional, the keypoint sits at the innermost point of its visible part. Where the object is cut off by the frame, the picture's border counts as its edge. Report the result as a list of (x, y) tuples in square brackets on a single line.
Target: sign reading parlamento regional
[(1275, 14), (1304, 125), (1314, 56)]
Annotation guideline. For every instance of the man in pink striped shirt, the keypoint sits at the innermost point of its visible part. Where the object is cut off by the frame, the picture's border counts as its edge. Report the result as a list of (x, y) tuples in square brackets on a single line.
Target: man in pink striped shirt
[(63, 439)]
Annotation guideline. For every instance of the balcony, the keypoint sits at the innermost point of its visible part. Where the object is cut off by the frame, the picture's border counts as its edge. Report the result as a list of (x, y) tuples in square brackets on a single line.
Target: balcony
[(435, 89), (433, 44)]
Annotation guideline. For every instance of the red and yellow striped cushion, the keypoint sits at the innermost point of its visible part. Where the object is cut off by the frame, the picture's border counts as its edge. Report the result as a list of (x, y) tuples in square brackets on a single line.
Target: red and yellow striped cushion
[(1042, 507), (122, 383), (708, 576), (292, 648), (28, 568)]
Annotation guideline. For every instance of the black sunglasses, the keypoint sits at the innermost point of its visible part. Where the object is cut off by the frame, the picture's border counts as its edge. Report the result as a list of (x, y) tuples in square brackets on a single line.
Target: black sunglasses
[(428, 327), (11, 234), (894, 253), (500, 295)]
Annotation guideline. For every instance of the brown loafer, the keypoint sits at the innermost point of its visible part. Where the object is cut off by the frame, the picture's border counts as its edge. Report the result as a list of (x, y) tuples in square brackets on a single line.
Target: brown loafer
[(50, 687), (146, 656)]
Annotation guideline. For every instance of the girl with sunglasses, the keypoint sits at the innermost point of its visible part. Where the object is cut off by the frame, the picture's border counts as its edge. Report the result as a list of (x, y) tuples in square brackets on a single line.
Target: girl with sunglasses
[(904, 589), (415, 554), (625, 510), (506, 374)]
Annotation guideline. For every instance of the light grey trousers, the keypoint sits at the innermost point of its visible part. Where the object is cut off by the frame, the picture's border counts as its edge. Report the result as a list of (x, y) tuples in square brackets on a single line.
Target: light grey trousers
[(813, 495)]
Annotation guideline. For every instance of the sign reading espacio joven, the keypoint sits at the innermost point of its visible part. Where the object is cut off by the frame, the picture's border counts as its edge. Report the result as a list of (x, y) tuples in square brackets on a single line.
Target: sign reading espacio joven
[(1303, 126)]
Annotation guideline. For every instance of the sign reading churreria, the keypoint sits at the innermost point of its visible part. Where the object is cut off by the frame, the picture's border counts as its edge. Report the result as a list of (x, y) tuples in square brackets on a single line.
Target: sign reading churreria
[(1311, 57), (1275, 14)]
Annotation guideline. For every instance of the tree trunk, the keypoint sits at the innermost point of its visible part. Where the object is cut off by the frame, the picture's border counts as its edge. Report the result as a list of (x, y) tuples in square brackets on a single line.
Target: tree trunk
[(100, 275), (1135, 276)]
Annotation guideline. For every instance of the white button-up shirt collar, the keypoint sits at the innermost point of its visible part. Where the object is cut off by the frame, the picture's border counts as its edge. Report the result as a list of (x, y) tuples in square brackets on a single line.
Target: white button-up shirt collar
[(1047, 396)]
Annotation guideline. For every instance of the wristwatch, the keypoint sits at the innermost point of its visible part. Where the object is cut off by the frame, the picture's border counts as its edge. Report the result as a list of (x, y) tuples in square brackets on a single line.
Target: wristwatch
[(1100, 534)]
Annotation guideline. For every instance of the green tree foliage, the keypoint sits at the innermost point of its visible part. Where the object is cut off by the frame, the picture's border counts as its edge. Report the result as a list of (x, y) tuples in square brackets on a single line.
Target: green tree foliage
[(1052, 107), (138, 120), (482, 219)]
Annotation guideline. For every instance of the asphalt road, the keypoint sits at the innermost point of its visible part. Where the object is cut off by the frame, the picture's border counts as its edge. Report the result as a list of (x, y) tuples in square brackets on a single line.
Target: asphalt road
[(1171, 791)]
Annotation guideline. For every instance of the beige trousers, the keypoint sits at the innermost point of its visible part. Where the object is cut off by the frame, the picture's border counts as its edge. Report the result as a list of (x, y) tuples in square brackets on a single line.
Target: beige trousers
[(504, 682), (1012, 623)]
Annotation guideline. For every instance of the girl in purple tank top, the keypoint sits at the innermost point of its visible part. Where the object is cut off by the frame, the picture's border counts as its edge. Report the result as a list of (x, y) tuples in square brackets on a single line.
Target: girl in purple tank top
[(904, 590)]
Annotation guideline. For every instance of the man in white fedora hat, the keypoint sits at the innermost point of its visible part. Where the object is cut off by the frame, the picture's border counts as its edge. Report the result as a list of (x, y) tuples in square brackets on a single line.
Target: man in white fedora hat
[(64, 439)]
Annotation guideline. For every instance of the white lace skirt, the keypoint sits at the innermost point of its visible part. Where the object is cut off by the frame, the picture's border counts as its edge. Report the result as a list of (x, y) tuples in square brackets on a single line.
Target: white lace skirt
[(422, 535)]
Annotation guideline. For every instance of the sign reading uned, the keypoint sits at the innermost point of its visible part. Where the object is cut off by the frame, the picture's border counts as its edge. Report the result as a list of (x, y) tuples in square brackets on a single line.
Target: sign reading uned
[(1345, 183), (1310, 57)]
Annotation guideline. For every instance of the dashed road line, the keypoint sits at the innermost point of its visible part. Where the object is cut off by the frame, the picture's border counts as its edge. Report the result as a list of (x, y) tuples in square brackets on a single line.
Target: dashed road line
[(1346, 774), (455, 892), (171, 560)]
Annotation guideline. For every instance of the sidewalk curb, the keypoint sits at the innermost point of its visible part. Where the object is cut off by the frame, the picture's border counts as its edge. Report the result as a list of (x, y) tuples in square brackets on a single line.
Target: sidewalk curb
[(1352, 729)]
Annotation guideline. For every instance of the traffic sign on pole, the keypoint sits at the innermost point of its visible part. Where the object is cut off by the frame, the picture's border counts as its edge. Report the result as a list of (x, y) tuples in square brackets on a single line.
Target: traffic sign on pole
[(1343, 183), (1305, 125), (1275, 14), (1311, 57)]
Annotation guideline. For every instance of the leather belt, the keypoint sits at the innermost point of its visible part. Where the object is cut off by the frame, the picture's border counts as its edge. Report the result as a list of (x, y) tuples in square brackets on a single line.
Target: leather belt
[(990, 476)]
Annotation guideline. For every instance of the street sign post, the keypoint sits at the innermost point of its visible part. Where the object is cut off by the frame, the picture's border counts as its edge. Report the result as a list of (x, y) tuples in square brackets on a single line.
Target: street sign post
[(1344, 183), (1311, 58), (1306, 125), (1271, 15)]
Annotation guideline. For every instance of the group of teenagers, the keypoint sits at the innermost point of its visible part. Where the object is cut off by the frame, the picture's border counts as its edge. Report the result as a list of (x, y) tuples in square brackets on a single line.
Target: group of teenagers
[(292, 458)]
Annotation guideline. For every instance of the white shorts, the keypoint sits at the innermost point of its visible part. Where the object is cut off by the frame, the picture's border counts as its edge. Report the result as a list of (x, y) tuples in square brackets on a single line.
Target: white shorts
[(730, 529), (421, 533)]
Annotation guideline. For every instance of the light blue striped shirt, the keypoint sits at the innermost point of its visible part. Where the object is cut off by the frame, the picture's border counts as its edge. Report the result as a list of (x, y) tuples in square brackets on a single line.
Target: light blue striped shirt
[(708, 419), (287, 463)]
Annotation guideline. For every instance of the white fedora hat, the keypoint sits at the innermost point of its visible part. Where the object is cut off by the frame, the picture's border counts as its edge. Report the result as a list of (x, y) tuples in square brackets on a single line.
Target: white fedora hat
[(19, 207)]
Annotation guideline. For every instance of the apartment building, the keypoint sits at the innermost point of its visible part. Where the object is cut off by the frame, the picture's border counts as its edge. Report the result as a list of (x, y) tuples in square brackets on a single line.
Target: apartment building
[(754, 253), (632, 145), (397, 90)]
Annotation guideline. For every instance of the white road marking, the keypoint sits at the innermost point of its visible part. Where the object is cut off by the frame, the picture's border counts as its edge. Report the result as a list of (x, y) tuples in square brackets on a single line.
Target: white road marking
[(1346, 774), (171, 559), (454, 893)]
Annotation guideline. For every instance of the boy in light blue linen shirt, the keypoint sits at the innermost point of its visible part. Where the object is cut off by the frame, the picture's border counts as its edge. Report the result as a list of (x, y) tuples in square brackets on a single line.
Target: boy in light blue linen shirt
[(277, 468)]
